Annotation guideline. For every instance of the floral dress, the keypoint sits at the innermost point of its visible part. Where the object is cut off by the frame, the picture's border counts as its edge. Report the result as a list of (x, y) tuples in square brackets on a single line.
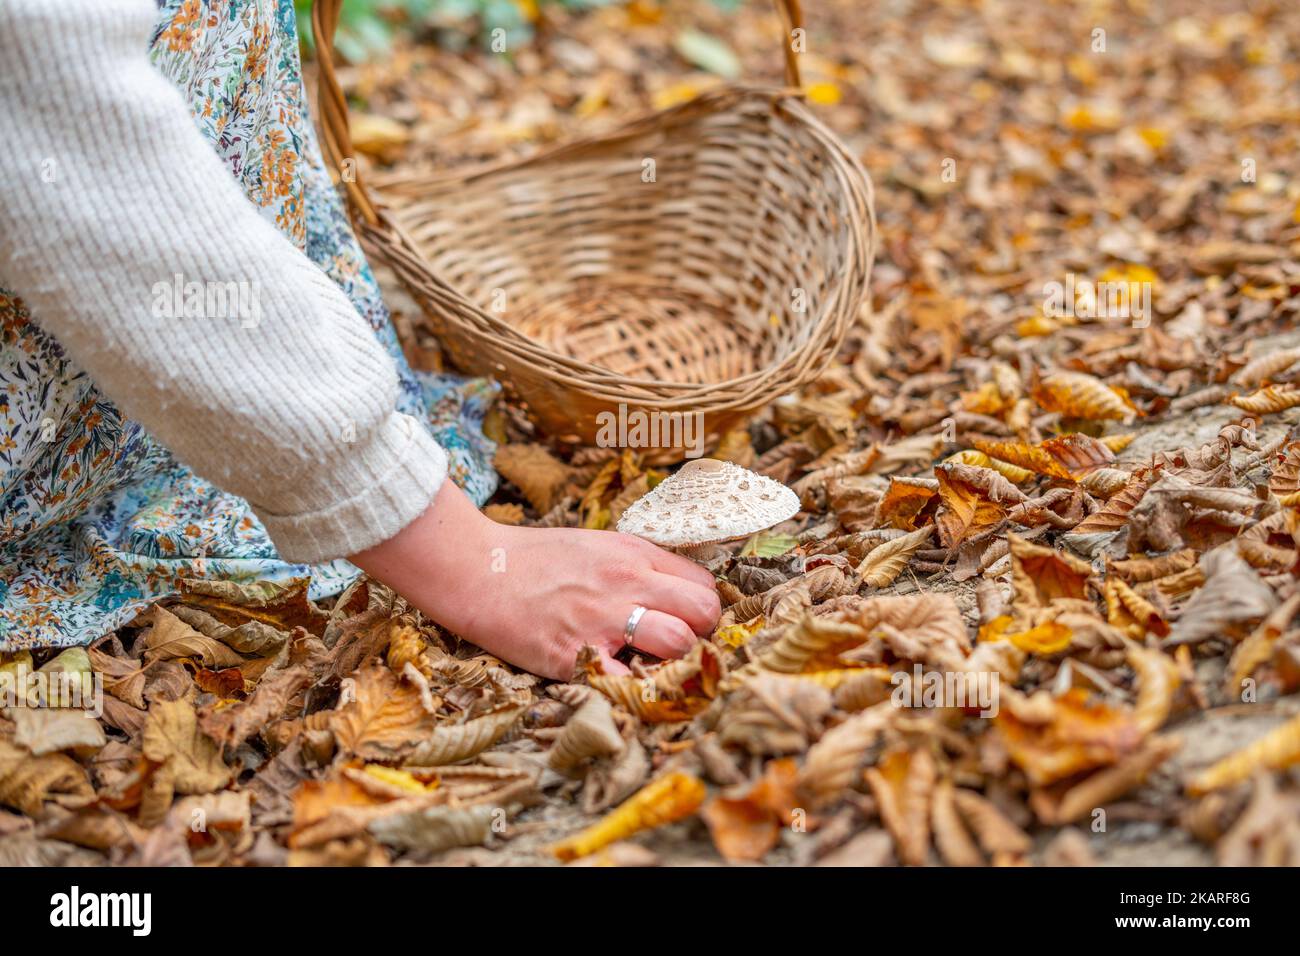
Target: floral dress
[(97, 519)]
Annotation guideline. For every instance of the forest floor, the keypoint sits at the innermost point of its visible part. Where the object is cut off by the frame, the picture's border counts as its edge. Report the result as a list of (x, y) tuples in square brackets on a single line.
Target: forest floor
[(1117, 537)]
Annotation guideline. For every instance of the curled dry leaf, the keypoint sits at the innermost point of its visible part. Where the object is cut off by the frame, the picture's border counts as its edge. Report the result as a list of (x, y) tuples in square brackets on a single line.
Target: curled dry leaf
[(904, 501), (434, 828), (1111, 783), (1077, 395), (1268, 400), (774, 714), (672, 691), (999, 837), (1259, 646), (973, 499), (812, 643), (616, 778), (832, 763), (45, 730), (1040, 575), (1266, 366), (187, 760), (1157, 680), (1130, 612), (30, 783), (590, 733), (903, 784), (450, 743), (1276, 750), (383, 720), (674, 796), (1069, 457), (1113, 515), (970, 456), (171, 638), (1233, 599), (951, 838)]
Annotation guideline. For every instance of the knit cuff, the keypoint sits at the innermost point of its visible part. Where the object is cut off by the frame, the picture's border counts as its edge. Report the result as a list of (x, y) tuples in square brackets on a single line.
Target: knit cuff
[(383, 487)]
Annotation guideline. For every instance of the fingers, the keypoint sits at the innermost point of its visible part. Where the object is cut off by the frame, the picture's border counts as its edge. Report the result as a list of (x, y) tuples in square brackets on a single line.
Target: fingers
[(663, 635), (668, 563), (698, 606), (611, 666)]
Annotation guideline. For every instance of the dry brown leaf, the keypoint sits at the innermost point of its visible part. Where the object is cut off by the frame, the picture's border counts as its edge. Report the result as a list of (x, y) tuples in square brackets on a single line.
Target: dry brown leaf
[(534, 471), (1040, 575), (1106, 785), (1076, 395), (383, 719), (903, 784), (170, 638), (29, 783), (1268, 400)]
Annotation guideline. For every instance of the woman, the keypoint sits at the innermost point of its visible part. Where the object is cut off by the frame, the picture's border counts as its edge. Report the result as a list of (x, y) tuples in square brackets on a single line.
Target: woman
[(198, 377)]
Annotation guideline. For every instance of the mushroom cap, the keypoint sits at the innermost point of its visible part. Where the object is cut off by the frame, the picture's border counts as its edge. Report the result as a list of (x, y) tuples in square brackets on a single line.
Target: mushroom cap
[(708, 501)]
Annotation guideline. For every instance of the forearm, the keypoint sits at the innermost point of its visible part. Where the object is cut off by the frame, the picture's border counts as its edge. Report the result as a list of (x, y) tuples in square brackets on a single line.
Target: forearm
[(110, 201)]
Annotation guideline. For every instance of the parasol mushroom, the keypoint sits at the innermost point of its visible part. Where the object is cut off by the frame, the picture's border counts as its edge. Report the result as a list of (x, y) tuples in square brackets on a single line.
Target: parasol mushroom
[(707, 502)]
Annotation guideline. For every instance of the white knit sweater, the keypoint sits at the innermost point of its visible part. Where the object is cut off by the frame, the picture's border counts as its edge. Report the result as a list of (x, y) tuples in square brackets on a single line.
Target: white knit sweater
[(107, 189)]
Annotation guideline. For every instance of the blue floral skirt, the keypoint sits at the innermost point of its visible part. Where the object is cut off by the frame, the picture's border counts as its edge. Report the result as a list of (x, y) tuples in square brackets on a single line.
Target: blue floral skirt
[(97, 519)]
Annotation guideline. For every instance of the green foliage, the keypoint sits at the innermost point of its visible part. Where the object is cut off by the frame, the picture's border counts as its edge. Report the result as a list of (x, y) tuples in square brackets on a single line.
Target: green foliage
[(367, 27)]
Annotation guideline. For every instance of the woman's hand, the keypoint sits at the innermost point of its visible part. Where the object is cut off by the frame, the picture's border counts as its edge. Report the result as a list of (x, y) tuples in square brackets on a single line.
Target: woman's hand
[(535, 596)]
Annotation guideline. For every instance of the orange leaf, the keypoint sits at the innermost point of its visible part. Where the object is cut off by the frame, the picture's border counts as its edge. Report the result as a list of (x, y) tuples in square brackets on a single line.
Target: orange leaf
[(1040, 575), (1081, 734), (903, 502), (747, 826), (1077, 395), (965, 509)]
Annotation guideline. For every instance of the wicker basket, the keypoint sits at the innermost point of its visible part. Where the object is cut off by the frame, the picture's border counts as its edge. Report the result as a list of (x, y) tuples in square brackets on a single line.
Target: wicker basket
[(704, 259)]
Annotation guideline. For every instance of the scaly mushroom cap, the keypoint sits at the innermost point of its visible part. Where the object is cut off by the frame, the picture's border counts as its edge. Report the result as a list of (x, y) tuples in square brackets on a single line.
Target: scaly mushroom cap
[(708, 501)]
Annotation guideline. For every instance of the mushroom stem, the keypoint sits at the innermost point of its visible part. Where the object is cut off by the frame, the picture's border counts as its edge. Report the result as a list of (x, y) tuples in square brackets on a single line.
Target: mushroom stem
[(700, 553)]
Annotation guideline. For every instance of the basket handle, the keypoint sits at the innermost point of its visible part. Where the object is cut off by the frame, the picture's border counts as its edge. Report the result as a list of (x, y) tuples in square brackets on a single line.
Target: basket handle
[(792, 19), (332, 105), (332, 108)]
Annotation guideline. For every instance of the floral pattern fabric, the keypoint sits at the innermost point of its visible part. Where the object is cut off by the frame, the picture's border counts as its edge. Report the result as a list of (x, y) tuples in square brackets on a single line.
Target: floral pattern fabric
[(97, 519)]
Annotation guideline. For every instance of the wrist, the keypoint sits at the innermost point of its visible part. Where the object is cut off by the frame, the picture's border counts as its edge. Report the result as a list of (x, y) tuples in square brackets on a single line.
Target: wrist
[(437, 561)]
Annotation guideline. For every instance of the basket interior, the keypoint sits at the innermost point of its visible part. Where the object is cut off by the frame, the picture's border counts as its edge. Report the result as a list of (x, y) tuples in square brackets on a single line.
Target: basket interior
[(694, 249)]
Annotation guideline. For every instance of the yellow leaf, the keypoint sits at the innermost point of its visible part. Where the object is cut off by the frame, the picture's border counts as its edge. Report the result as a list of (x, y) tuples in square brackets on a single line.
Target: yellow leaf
[(378, 136), (675, 95), (1270, 399), (401, 779), (969, 456), (1076, 395), (1276, 750), (823, 94), (672, 797), (1049, 638), (735, 635)]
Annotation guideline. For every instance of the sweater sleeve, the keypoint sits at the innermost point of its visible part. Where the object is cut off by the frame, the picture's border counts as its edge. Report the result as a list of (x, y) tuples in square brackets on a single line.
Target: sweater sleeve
[(111, 200)]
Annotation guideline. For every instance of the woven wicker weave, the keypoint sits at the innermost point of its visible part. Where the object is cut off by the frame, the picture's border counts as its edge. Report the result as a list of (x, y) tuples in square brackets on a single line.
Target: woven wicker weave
[(727, 281)]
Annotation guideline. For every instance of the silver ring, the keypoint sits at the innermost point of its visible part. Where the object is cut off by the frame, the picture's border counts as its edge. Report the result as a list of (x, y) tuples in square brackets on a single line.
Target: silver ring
[(629, 629)]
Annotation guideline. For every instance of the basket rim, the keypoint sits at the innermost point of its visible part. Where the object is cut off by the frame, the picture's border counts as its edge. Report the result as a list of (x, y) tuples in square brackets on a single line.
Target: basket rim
[(401, 252)]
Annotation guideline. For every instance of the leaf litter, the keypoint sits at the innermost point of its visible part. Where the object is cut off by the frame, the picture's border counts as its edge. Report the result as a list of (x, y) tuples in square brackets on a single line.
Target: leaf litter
[(1098, 509)]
